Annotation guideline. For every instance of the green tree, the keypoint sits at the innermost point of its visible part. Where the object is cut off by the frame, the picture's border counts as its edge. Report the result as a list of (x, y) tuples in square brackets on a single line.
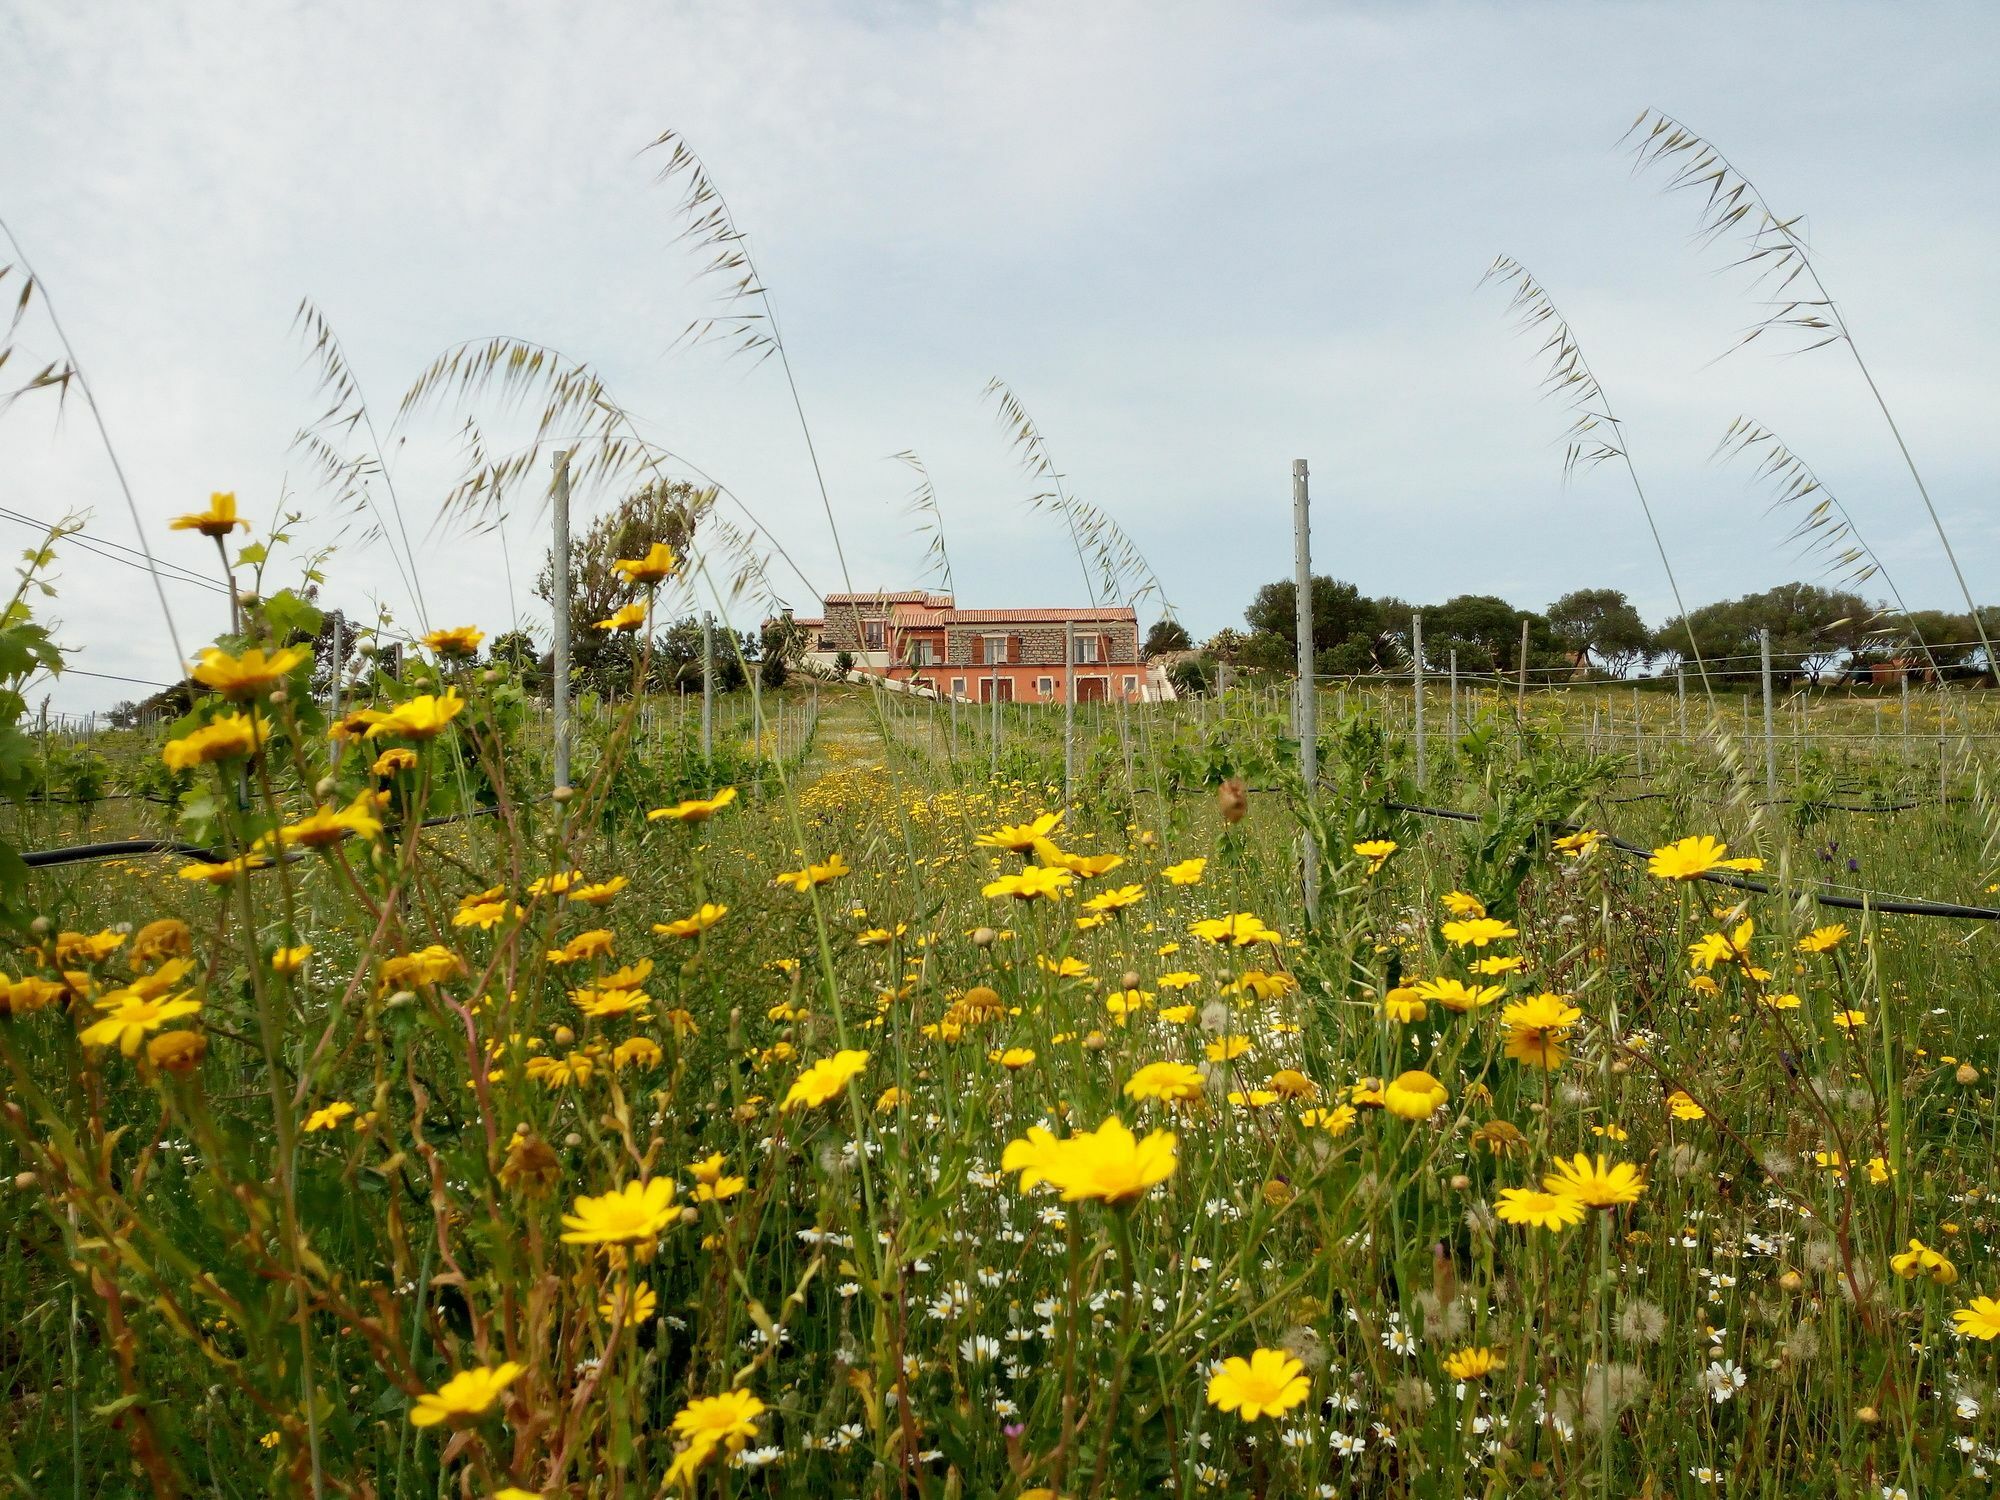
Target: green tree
[(658, 512), (1168, 635), (1601, 623)]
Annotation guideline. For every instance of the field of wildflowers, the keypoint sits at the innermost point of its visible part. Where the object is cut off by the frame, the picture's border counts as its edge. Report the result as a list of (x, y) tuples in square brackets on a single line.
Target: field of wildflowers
[(882, 1126)]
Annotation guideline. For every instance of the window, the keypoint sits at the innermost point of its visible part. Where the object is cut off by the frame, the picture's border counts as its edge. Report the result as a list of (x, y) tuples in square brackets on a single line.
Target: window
[(871, 632), (920, 653), (958, 687), (1046, 686), (1131, 683), (1086, 649), (995, 649)]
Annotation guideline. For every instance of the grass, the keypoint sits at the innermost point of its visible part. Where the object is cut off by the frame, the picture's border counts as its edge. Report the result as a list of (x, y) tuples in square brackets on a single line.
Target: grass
[(207, 1296)]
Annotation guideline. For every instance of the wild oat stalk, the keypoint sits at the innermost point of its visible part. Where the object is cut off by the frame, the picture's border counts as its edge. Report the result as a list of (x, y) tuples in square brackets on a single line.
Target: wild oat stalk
[(923, 507), (1594, 435), (1781, 260), (1122, 569), (351, 476), (1826, 526)]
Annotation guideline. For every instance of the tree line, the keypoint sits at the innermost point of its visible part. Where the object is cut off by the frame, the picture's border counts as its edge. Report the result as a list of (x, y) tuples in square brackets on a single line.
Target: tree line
[(1816, 634)]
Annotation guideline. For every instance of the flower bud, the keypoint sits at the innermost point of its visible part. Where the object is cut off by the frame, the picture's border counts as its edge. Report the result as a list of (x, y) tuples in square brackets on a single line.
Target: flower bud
[(1967, 1074), (1129, 980), (563, 793), (1868, 1416), (1460, 1182), (326, 786), (984, 937)]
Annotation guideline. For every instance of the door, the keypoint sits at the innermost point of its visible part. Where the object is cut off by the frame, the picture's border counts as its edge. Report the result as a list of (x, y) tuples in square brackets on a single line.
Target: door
[(1091, 689), (987, 685)]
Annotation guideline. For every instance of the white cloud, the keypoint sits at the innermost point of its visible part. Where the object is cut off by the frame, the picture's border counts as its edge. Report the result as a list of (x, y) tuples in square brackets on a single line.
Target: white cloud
[(1200, 240)]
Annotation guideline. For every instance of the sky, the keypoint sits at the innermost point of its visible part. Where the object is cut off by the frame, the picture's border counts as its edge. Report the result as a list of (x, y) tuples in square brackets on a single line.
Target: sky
[(1198, 241)]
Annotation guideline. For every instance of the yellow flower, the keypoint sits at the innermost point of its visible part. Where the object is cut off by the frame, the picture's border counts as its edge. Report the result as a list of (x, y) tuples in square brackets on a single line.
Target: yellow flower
[(1681, 1105), (485, 915), (1020, 838), (1267, 1384), (1477, 932), (1533, 1209), (1292, 1084), (1240, 929), (1921, 1260), (1457, 995), (1016, 1058), (694, 809), (223, 871), (831, 868), (1538, 1030), (1691, 858), (131, 1015), (1169, 1082), (456, 640), (707, 1423), (1260, 985), (1850, 1020), (19, 997), (1463, 904), (420, 718), (1109, 1164), (325, 827), (1404, 1004), (427, 966), (228, 736), (82, 948), (635, 1214), (1578, 844), (603, 1003), (247, 675), (626, 617), (1475, 1363), (467, 1395), (1187, 872), (328, 1117), (168, 937), (1116, 899), (1227, 1048), (1498, 963), (1823, 939), (217, 521), (596, 943), (1414, 1095), (825, 1080), (640, 1050), (713, 1183), (1031, 884), (177, 1051), (1596, 1183), (880, 937), (640, 1305), (695, 925), (555, 884), (655, 567), (1980, 1319), (600, 892), (389, 762), (1336, 1121), (1376, 852)]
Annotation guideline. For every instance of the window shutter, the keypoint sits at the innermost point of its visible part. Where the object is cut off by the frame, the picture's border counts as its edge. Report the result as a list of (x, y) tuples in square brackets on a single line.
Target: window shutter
[(1013, 648)]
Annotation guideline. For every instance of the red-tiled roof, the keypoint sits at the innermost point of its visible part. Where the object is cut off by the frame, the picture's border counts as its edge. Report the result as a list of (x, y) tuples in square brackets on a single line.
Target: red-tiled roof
[(905, 596), (818, 624), (1107, 614)]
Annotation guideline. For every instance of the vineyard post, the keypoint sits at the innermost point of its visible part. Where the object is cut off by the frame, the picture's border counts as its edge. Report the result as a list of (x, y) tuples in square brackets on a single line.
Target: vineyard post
[(1904, 675), (559, 608), (707, 685), (1638, 737), (1451, 712), (1417, 690), (1069, 712), (1770, 727), (995, 735), (1681, 701), (1305, 709), (1521, 688), (333, 709)]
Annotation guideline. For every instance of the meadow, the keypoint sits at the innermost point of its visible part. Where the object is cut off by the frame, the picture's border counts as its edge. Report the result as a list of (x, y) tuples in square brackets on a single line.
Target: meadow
[(856, 1116)]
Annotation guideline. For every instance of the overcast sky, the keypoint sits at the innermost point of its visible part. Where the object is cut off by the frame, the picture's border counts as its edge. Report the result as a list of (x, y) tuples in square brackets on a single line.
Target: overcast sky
[(1198, 240)]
